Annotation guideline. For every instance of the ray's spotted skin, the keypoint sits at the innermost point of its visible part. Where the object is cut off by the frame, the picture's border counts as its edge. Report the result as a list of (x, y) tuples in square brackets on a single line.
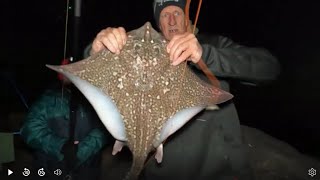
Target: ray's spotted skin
[(139, 96)]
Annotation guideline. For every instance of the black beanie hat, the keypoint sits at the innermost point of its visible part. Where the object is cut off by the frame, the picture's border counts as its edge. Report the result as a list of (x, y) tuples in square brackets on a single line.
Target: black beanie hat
[(159, 5)]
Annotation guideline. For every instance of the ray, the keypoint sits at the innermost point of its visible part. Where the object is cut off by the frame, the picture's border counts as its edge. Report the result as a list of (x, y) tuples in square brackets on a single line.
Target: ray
[(139, 96)]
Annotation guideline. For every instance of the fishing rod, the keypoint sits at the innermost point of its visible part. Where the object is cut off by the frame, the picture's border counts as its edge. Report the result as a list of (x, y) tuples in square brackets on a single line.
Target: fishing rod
[(75, 25), (213, 80)]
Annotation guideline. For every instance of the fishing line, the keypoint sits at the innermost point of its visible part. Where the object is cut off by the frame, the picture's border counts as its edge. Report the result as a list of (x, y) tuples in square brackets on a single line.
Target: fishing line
[(65, 48), (66, 30)]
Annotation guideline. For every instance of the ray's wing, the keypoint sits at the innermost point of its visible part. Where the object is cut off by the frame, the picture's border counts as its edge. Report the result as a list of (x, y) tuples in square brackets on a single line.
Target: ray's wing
[(186, 95), (95, 77)]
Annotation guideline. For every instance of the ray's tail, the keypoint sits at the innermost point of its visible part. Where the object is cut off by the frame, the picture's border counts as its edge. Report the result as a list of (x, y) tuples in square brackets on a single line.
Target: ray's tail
[(136, 168)]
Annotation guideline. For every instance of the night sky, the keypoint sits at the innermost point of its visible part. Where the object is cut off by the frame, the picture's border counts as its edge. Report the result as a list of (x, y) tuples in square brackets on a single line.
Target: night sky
[(32, 35)]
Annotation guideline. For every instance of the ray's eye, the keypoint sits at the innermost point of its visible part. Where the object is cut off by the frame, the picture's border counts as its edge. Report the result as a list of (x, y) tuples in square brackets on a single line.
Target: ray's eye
[(137, 47), (156, 50)]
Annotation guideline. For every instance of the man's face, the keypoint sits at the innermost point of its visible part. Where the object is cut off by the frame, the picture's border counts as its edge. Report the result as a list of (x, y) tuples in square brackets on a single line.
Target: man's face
[(172, 22)]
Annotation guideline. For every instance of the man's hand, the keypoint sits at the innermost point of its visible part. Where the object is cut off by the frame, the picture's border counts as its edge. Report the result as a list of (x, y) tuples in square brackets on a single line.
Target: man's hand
[(184, 46), (111, 38)]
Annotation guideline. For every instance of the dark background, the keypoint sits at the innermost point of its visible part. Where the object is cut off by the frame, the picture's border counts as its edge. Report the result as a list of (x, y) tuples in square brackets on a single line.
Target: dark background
[(32, 35)]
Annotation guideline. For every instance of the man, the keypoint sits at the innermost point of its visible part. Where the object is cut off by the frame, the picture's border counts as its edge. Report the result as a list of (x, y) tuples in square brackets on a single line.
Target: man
[(65, 133), (210, 145)]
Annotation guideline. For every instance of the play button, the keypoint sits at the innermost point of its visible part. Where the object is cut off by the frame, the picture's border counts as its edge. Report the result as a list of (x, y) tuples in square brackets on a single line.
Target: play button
[(9, 172)]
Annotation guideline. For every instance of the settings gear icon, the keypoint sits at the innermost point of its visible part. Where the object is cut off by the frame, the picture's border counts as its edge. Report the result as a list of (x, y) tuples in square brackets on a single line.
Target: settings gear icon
[(312, 172)]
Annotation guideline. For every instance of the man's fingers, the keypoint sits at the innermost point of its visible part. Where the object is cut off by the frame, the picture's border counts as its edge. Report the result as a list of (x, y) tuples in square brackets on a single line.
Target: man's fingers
[(112, 39), (103, 38), (123, 34), (110, 46), (178, 38), (185, 47), (181, 40), (180, 45), (183, 56), (118, 39), (173, 40), (177, 51), (118, 34)]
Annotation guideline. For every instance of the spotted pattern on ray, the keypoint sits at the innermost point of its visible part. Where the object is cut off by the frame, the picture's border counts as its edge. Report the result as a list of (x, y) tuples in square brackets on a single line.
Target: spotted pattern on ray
[(146, 89)]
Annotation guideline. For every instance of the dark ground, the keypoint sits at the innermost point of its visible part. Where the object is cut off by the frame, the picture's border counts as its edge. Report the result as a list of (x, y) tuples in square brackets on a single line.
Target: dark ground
[(288, 109), (270, 159)]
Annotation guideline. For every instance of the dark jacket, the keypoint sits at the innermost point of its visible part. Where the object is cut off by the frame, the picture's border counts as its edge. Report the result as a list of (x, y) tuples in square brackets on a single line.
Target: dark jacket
[(46, 127), (229, 60)]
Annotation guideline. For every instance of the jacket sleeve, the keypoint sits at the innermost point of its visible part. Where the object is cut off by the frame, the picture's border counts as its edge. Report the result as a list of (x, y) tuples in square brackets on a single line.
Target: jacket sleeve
[(91, 144), (35, 130), (86, 51), (227, 59)]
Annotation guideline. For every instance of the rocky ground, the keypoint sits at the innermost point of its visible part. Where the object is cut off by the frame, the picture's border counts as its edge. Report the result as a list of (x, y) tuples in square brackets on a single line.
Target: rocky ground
[(276, 160)]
